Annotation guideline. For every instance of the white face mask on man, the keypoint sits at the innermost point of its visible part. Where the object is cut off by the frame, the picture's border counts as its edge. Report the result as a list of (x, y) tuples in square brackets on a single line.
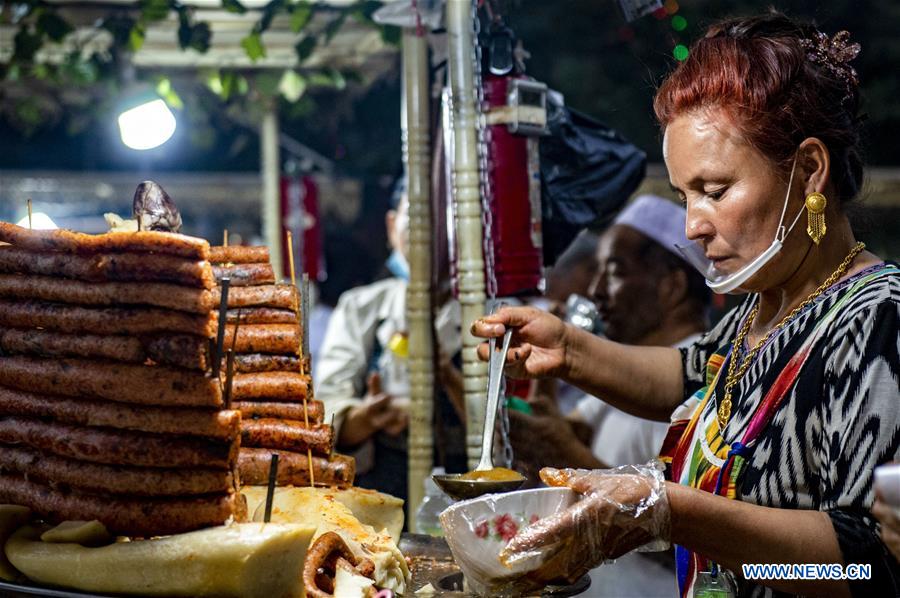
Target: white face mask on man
[(722, 282)]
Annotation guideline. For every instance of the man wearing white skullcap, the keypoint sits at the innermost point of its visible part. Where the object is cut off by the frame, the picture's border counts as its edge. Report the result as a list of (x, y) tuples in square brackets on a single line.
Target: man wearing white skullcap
[(646, 294)]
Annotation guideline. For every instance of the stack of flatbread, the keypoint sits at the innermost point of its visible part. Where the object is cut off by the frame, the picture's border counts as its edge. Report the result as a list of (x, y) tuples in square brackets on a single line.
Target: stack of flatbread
[(108, 410)]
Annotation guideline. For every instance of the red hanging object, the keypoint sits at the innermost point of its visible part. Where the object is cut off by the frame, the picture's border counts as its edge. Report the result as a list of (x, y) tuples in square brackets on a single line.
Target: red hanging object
[(514, 174), (300, 215)]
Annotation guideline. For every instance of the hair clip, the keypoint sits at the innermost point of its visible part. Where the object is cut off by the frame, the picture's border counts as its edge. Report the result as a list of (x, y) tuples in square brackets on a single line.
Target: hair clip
[(834, 54)]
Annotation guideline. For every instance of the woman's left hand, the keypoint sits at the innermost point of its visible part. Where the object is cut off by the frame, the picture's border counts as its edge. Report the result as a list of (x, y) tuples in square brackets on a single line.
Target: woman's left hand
[(621, 509), (890, 526)]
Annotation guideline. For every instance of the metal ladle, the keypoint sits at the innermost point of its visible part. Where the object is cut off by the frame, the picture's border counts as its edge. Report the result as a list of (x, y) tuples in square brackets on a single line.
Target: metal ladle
[(461, 489)]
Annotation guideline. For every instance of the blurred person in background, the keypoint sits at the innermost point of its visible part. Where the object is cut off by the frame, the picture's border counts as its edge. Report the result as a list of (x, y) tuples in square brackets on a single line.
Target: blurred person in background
[(362, 376), (572, 274)]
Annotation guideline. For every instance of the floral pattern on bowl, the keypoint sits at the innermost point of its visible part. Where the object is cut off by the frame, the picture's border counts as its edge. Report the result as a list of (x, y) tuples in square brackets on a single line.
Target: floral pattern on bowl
[(503, 527)]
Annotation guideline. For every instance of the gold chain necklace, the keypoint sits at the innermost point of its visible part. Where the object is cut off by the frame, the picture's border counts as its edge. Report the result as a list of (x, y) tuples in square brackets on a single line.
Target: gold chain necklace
[(724, 412)]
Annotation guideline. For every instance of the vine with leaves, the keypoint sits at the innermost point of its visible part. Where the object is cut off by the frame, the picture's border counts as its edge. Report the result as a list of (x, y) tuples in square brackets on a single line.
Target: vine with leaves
[(85, 76)]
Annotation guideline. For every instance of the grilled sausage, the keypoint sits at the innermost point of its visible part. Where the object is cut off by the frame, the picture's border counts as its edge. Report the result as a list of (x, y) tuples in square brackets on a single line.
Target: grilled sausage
[(261, 315), (283, 296), (249, 363), (272, 386), (239, 254), (243, 275), (287, 435), (293, 468), (294, 411)]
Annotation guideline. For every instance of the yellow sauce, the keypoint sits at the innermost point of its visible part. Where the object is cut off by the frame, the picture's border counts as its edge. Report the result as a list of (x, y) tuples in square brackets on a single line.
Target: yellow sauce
[(498, 474)]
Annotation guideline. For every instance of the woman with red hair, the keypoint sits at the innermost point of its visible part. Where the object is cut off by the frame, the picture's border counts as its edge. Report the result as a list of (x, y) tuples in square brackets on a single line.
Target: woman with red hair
[(780, 413)]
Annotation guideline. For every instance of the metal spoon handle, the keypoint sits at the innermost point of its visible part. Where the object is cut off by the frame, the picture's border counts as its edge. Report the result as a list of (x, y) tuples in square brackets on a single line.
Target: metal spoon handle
[(495, 375)]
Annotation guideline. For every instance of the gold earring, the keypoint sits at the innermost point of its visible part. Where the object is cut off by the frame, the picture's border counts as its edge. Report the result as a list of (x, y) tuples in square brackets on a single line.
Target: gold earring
[(815, 208)]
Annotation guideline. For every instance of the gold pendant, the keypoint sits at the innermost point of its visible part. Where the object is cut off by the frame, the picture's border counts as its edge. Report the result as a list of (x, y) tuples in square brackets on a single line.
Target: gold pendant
[(724, 413), (815, 208)]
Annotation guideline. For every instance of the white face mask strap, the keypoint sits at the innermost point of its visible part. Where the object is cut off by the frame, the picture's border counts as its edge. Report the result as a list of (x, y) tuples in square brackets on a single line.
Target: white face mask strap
[(782, 231)]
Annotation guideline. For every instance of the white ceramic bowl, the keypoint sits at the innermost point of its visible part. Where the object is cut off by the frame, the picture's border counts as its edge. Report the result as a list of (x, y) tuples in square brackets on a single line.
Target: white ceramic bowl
[(478, 529)]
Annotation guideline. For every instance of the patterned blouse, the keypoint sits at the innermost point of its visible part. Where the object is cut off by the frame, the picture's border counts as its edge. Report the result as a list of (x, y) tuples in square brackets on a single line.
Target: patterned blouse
[(838, 420)]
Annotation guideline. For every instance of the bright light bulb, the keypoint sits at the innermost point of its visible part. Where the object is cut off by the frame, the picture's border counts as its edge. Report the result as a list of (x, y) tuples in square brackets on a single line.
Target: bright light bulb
[(147, 126)]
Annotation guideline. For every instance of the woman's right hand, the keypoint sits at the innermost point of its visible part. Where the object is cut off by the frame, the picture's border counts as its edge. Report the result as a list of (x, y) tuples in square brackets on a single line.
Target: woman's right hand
[(538, 345)]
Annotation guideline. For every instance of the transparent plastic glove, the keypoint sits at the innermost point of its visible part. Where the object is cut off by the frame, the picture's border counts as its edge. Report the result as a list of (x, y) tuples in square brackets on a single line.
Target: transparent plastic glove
[(622, 509)]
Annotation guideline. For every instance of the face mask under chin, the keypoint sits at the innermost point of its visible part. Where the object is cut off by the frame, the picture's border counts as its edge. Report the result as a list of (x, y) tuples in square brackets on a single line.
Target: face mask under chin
[(723, 282)]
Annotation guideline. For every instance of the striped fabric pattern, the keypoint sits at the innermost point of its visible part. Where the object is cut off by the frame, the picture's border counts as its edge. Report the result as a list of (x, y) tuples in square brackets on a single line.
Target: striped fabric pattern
[(832, 381)]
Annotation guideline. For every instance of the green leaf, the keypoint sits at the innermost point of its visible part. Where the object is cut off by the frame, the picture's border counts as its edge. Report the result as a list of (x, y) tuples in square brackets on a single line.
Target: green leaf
[(234, 6), (119, 27), (54, 26), (305, 47), (363, 11), (266, 83), (337, 79), (301, 17), (334, 26), (201, 37), (243, 86), (185, 30), (215, 84), (253, 46), (328, 78), (229, 85), (26, 44), (166, 92), (154, 10), (292, 85), (271, 9), (391, 35), (136, 37)]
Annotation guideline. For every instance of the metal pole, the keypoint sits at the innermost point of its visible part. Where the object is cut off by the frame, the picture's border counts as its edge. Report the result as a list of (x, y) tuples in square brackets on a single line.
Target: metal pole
[(466, 193), (271, 186), (416, 155)]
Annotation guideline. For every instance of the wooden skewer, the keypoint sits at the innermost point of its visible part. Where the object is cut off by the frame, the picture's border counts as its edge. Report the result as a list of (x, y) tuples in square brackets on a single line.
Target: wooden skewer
[(29, 212), (220, 336), (270, 491), (229, 376), (290, 247), (335, 442), (237, 325), (225, 238)]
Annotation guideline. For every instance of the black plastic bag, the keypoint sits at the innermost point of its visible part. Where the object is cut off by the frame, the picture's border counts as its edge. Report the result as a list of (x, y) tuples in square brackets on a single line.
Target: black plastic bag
[(588, 172)]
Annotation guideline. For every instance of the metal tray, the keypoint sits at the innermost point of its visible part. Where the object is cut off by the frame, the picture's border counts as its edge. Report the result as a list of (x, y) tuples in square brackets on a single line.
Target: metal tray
[(13, 590)]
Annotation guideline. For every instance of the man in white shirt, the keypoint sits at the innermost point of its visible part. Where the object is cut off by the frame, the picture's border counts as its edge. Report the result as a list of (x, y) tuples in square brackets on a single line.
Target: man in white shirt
[(362, 376)]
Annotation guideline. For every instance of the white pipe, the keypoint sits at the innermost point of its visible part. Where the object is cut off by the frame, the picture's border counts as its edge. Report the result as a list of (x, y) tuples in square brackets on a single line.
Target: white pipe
[(271, 186), (415, 122), (467, 196)]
